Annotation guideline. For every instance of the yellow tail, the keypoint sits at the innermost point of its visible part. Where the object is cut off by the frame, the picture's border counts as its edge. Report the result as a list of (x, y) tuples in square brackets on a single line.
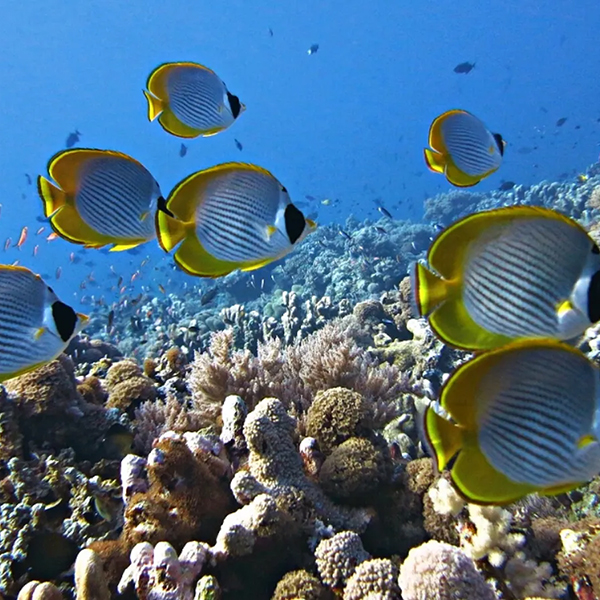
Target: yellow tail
[(155, 106), (429, 290), (52, 197), (435, 161), (169, 231)]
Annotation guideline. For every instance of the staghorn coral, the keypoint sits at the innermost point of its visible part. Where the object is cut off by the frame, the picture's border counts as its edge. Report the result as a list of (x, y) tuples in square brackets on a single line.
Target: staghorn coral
[(438, 571), (375, 578), (337, 558), (300, 584)]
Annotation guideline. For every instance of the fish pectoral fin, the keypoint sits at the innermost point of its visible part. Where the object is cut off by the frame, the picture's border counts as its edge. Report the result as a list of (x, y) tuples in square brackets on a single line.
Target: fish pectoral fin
[(145, 215), (39, 333), (435, 160), (480, 483), (564, 307), (270, 230), (155, 106)]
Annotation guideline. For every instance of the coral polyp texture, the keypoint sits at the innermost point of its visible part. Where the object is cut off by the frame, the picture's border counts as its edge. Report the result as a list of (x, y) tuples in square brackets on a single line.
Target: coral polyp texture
[(265, 443)]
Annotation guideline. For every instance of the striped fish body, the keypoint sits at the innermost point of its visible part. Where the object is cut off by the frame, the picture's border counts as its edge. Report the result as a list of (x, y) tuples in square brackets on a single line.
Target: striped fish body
[(463, 148), (190, 100), (516, 278), (524, 420), (512, 273), (238, 217), (102, 197), (35, 327)]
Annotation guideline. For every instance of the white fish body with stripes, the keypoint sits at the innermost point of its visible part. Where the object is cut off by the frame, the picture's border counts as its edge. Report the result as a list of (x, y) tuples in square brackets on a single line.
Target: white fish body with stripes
[(513, 273), (100, 197), (521, 419), (35, 326), (231, 216), (463, 148), (190, 100)]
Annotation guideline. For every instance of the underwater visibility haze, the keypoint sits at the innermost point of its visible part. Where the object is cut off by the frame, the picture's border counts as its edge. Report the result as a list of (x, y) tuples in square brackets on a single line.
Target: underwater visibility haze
[(300, 300)]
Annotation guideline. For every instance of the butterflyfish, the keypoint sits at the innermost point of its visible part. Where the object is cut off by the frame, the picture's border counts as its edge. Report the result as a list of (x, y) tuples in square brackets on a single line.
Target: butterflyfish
[(510, 273), (521, 419), (463, 148), (231, 216), (100, 197), (190, 100), (35, 326)]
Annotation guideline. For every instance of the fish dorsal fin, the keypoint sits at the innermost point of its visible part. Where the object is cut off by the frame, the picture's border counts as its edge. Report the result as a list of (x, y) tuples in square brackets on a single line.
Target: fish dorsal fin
[(64, 166), (187, 195), (156, 82), (447, 252)]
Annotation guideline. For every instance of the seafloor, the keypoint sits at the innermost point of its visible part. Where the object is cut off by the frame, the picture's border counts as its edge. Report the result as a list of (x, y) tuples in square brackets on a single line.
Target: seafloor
[(263, 443)]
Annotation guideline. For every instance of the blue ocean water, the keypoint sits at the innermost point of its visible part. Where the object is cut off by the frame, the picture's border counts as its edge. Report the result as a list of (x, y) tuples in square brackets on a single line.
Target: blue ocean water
[(347, 123)]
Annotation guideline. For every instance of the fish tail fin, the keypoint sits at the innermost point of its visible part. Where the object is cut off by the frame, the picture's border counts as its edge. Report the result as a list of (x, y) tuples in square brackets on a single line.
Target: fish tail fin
[(170, 231), (428, 290), (435, 160), (52, 196), (155, 105), (443, 439)]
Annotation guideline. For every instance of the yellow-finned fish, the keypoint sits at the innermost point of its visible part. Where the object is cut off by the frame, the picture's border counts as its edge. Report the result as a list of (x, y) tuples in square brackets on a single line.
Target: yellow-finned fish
[(510, 273), (231, 216), (463, 148), (190, 100), (35, 326), (521, 419), (101, 197)]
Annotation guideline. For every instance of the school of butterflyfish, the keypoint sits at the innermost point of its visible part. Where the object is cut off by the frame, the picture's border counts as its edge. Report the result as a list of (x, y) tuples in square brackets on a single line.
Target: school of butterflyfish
[(513, 285)]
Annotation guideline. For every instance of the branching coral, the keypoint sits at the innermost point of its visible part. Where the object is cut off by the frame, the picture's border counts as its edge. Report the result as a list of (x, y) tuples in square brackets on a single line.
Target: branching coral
[(293, 374)]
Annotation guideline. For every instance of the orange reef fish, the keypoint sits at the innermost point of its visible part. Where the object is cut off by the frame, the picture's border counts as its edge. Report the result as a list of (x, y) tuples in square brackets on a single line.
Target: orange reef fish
[(510, 273), (518, 420), (101, 197), (231, 216), (35, 326), (463, 149), (190, 100), (22, 237)]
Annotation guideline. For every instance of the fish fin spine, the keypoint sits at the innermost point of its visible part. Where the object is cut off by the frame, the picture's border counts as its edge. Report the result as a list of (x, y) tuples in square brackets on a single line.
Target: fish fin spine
[(429, 290), (155, 105), (435, 160), (52, 196)]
